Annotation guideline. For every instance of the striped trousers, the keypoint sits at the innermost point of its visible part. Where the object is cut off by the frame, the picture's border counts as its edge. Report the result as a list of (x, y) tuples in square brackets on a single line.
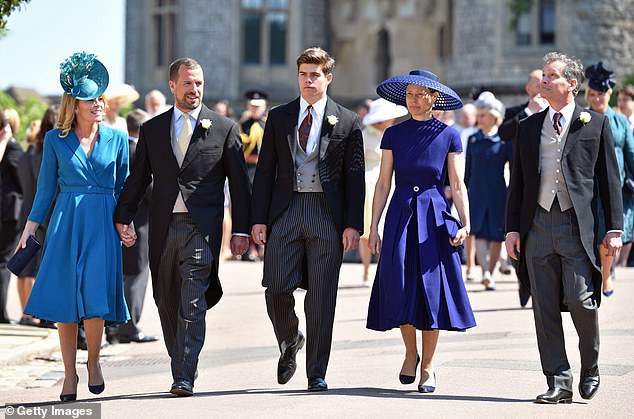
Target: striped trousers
[(559, 269), (304, 241), (183, 279)]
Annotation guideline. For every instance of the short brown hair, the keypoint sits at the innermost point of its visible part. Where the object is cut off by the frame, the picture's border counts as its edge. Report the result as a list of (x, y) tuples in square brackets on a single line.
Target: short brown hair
[(176, 65), (627, 90), (316, 55)]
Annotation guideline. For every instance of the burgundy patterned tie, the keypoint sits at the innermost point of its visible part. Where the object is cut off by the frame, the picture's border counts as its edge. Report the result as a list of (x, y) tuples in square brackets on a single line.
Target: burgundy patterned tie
[(304, 129), (557, 122)]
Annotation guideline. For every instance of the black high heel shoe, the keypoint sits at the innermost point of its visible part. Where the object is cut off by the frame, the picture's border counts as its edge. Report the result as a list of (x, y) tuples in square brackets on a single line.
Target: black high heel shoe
[(69, 397), (97, 388), (408, 379)]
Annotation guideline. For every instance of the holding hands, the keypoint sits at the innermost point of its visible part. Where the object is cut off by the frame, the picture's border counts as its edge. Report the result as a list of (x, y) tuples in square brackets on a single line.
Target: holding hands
[(239, 245), (126, 234), (613, 243)]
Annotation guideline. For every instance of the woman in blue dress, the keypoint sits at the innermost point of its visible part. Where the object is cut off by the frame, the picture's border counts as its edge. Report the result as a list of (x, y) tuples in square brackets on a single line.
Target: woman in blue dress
[(598, 95), (80, 276), (486, 160), (418, 282)]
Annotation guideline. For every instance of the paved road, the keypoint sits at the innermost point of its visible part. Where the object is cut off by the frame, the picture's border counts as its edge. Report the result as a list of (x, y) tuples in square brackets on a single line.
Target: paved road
[(491, 371)]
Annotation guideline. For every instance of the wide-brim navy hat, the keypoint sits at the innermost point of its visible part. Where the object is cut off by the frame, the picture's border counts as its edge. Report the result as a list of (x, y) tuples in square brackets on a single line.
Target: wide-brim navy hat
[(599, 77), (83, 77), (393, 89)]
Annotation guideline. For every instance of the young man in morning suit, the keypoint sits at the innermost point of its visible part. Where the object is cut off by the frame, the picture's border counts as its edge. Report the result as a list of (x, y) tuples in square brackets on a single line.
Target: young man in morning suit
[(189, 151), (562, 155), (308, 208)]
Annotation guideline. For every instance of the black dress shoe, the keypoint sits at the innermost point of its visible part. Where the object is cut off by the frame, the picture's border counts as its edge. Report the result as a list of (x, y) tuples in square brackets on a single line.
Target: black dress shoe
[(287, 365), (137, 337), (589, 383), (317, 384), (554, 396), (182, 388), (524, 296)]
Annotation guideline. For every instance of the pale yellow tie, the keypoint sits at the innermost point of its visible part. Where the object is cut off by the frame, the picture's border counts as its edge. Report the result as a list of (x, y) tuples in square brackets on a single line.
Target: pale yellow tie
[(185, 135)]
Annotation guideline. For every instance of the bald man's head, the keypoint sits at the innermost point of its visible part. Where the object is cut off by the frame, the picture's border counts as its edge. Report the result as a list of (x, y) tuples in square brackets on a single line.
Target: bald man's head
[(533, 84)]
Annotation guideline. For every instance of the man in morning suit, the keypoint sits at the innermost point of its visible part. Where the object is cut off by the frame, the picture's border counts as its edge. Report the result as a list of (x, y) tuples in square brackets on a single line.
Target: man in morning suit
[(308, 208), (189, 151), (562, 155)]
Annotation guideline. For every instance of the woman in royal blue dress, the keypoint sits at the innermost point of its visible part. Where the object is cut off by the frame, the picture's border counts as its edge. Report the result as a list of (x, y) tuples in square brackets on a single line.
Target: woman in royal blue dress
[(418, 284), (80, 276)]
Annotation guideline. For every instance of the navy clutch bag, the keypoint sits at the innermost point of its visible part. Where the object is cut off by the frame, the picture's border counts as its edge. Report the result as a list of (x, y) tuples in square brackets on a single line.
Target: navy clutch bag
[(23, 256)]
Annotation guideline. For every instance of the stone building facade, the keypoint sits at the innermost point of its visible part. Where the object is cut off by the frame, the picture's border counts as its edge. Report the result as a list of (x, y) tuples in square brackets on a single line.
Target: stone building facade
[(245, 44), (241, 44), (488, 53)]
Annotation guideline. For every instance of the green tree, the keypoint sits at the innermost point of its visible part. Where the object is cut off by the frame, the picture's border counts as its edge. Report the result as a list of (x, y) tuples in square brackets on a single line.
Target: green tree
[(31, 110), (6, 8)]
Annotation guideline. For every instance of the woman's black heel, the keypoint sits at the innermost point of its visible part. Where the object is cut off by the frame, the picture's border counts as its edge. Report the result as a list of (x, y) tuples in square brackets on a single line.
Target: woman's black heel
[(97, 388), (70, 397)]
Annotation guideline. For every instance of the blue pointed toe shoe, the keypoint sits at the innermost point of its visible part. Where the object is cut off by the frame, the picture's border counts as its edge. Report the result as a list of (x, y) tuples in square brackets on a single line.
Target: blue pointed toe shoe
[(426, 388)]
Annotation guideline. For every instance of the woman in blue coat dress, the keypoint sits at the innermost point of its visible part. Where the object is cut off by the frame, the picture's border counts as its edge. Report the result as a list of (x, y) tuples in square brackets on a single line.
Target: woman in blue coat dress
[(418, 282), (80, 277), (598, 95), (487, 157)]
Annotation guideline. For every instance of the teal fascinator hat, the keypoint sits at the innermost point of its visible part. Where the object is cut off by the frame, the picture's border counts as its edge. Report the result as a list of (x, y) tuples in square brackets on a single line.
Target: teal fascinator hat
[(83, 77)]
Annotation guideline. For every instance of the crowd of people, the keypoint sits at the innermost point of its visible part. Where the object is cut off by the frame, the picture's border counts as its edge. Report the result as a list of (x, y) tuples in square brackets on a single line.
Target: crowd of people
[(182, 187)]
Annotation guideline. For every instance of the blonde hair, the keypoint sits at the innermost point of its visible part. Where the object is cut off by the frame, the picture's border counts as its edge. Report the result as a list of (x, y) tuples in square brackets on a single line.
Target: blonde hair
[(66, 118), (14, 119), (587, 92)]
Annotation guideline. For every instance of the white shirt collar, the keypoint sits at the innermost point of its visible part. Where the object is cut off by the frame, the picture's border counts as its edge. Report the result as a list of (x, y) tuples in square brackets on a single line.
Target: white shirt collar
[(133, 139), (319, 107), (192, 114), (566, 114)]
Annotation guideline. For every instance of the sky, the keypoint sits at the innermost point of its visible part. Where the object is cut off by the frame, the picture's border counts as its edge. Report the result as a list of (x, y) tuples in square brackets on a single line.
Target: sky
[(45, 32)]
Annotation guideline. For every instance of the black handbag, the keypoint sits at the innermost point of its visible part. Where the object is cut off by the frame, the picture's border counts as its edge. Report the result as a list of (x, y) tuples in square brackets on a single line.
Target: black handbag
[(22, 257)]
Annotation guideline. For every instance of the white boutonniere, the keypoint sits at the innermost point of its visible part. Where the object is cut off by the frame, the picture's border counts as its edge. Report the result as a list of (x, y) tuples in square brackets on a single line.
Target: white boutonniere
[(332, 120), (585, 117), (205, 123)]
